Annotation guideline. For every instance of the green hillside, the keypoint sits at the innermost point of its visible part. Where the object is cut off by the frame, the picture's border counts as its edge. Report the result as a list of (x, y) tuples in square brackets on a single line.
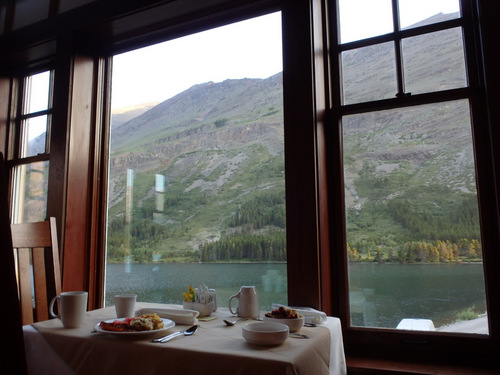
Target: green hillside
[(409, 174)]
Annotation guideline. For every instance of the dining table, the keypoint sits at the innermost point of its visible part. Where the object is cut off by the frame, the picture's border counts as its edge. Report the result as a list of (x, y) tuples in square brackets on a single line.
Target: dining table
[(215, 348)]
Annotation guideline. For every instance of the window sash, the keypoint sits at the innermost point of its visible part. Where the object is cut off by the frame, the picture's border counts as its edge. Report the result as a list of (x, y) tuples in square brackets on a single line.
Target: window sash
[(368, 340)]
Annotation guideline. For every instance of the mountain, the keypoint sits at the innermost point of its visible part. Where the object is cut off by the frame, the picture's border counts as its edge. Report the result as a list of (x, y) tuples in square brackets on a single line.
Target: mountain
[(122, 115), (209, 163), (218, 146), (200, 111)]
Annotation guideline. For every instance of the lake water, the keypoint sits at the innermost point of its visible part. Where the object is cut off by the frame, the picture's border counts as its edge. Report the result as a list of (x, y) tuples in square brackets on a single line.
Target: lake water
[(381, 294), (165, 283)]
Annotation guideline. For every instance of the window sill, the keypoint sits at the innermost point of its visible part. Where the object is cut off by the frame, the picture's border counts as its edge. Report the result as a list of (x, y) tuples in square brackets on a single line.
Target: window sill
[(371, 366)]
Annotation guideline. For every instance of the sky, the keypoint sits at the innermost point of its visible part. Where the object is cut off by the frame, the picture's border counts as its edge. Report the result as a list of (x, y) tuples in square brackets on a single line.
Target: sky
[(247, 49), (365, 18)]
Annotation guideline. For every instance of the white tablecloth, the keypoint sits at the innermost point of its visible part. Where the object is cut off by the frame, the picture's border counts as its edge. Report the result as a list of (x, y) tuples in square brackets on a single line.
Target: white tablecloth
[(214, 349)]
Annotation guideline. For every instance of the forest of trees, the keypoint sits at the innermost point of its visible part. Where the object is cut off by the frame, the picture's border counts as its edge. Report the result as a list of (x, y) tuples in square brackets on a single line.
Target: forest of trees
[(461, 222), (257, 233), (426, 236), (269, 247), (420, 251), (265, 211)]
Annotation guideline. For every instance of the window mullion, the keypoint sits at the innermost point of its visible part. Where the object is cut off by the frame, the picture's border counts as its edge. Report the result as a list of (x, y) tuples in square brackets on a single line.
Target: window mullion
[(397, 50), (17, 123)]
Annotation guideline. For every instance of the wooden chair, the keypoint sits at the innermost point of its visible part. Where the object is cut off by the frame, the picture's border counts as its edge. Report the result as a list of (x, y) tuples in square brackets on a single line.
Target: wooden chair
[(12, 355), (38, 267)]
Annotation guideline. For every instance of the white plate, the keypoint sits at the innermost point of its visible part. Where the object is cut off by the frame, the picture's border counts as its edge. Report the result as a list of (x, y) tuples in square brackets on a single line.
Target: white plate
[(167, 324)]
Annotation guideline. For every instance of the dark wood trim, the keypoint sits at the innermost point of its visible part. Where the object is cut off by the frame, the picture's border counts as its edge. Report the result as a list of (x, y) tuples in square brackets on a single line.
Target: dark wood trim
[(116, 26), (98, 188), (56, 199), (300, 156), (484, 105), (12, 355), (10, 8), (377, 366)]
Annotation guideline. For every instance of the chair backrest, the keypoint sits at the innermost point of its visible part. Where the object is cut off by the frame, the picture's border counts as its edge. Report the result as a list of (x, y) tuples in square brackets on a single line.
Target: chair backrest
[(12, 355), (38, 270)]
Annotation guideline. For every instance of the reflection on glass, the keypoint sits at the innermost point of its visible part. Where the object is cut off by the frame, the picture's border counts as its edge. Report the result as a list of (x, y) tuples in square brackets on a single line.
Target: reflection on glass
[(30, 184), (196, 182), (360, 19), (369, 73), (37, 92), (413, 13), (34, 136), (422, 54), (414, 244)]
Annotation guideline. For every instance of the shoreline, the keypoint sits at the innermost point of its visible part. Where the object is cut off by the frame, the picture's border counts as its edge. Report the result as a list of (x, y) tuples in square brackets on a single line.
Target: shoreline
[(477, 326)]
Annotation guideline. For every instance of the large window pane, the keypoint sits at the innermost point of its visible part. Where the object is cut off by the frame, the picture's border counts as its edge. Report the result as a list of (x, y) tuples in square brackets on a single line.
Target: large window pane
[(196, 177), (434, 61), (369, 73), (360, 19), (37, 92), (34, 136), (413, 13), (413, 235), (30, 184)]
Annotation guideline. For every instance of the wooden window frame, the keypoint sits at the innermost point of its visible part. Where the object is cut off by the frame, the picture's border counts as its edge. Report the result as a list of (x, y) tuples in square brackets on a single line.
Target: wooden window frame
[(419, 346), (14, 129)]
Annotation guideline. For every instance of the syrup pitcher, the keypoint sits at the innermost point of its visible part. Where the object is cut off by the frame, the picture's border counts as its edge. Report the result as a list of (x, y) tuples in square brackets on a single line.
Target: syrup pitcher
[(248, 303)]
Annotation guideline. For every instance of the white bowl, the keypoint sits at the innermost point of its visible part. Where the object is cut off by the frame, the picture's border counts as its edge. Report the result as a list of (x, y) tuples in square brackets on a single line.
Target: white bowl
[(267, 334), (205, 309), (293, 324)]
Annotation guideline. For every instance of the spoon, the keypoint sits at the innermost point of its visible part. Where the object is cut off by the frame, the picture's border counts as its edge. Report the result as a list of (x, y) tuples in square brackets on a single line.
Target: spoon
[(186, 332), (298, 335), (229, 323)]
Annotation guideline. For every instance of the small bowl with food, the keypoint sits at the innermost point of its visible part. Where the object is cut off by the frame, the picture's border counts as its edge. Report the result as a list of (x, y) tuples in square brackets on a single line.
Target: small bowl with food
[(285, 315)]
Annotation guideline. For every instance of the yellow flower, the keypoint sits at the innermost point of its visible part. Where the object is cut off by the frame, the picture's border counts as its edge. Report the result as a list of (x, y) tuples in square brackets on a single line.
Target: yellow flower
[(189, 295)]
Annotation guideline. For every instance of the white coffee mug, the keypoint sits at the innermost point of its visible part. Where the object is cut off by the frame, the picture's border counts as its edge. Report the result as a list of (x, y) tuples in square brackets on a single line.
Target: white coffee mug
[(125, 305), (72, 308), (248, 303)]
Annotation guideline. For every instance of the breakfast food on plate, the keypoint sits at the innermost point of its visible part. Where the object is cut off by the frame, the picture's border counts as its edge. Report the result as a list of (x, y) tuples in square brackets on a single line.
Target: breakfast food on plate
[(141, 324), (146, 322), (155, 320), (283, 312)]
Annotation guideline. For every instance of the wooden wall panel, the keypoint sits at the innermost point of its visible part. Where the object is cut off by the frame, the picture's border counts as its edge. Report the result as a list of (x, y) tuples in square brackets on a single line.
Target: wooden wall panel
[(76, 241)]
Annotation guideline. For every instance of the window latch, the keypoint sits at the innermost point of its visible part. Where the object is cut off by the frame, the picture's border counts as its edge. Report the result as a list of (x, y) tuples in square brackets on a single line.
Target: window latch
[(403, 94)]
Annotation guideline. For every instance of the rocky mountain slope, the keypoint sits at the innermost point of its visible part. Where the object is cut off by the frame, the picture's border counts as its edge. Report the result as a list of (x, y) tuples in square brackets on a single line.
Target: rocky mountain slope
[(219, 150)]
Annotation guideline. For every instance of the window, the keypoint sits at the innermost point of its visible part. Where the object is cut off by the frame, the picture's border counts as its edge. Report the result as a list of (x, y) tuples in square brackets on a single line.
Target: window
[(30, 152), (412, 226), (319, 149), (196, 184)]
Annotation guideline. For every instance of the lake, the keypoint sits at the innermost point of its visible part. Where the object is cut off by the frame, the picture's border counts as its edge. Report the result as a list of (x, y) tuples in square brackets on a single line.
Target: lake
[(381, 294), (166, 282)]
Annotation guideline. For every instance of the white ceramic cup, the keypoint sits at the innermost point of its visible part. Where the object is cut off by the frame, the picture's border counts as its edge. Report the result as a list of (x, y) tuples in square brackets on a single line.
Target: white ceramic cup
[(248, 303), (125, 305), (72, 308)]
